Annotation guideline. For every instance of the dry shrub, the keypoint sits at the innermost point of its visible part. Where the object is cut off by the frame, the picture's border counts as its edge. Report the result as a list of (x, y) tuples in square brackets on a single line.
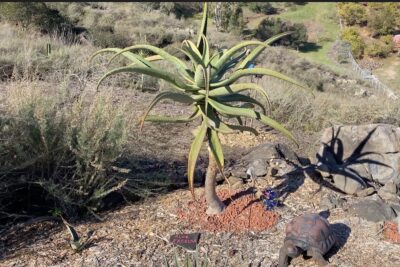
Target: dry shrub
[(58, 147)]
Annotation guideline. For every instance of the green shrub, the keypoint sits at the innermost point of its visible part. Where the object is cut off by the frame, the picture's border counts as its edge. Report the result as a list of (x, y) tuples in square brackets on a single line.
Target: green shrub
[(60, 148), (104, 36), (352, 36), (352, 13), (262, 7), (38, 15), (383, 18), (377, 49), (231, 17), (272, 26), (387, 39), (179, 9)]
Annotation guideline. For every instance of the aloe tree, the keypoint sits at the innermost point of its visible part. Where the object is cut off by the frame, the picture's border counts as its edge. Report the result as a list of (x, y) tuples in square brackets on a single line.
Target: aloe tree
[(209, 84)]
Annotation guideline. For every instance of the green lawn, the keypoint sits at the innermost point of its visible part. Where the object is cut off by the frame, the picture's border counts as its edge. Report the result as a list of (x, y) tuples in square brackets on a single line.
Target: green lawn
[(322, 26), (323, 29), (389, 73)]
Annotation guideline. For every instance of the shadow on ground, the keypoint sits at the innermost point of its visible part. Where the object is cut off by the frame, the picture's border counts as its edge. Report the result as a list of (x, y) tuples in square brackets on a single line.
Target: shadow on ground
[(309, 47)]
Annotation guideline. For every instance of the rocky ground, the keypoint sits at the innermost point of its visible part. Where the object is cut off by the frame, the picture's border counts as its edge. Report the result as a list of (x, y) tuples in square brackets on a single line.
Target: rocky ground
[(137, 234)]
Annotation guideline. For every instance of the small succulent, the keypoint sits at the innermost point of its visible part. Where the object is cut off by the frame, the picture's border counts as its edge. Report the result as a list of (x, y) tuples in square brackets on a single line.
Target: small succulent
[(269, 199)]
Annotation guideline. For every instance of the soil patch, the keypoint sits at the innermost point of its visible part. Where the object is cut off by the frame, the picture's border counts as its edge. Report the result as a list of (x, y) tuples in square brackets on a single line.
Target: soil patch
[(244, 212), (391, 232)]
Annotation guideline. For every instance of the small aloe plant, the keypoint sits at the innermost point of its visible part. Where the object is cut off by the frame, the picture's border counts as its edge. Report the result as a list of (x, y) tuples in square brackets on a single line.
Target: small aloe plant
[(203, 85)]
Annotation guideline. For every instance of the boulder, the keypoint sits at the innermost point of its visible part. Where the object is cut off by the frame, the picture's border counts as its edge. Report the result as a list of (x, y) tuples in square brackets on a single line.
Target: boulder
[(263, 157), (373, 209), (371, 152)]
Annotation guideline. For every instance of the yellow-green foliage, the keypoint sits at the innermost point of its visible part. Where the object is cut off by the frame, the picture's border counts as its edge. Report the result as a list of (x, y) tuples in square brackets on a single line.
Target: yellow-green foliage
[(377, 49), (383, 18), (351, 35), (387, 39), (352, 13)]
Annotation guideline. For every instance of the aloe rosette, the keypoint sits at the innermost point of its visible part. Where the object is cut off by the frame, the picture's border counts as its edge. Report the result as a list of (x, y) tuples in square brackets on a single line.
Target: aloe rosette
[(209, 84)]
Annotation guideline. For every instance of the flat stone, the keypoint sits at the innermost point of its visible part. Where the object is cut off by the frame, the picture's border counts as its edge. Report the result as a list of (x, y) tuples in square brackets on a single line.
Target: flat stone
[(347, 184), (373, 209), (378, 145), (331, 201), (365, 192), (235, 182), (390, 187)]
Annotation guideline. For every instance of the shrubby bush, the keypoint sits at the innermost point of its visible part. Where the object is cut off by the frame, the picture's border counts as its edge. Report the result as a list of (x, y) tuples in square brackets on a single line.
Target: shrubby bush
[(231, 17), (105, 36), (272, 26), (352, 13), (262, 7), (377, 49), (383, 18), (28, 14), (60, 149), (351, 35), (179, 9)]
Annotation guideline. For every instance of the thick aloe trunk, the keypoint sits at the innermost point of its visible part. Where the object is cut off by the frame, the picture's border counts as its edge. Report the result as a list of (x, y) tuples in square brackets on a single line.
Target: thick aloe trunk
[(214, 204)]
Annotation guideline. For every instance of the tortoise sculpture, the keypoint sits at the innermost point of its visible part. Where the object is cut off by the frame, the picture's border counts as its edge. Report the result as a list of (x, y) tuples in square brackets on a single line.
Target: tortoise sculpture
[(310, 233)]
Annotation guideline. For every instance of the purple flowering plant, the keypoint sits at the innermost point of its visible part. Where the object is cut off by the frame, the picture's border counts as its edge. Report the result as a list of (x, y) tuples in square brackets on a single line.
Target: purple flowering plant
[(269, 199)]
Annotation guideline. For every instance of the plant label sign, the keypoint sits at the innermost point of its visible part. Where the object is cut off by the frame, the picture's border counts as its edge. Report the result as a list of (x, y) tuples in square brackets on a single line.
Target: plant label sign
[(188, 241)]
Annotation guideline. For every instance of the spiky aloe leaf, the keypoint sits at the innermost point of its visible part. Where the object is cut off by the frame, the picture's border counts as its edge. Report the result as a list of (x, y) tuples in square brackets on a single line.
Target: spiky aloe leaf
[(215, 147), (243, 128), (194, 153), (206, 51), (203, 29), (254, 54), (236, 88), (227, 55), (245, 112), (154, 72), (127, 55), (215, 57), (178, 97), (175, 119), (160, 52), (194, 58), (190, 46), (217, 74), (199, 76), (240, 98), (214, 122), (256, 71)]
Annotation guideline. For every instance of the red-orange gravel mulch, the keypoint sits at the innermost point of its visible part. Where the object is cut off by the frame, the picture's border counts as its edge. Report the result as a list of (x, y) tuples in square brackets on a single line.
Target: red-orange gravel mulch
[(244, 213), (391, 233)]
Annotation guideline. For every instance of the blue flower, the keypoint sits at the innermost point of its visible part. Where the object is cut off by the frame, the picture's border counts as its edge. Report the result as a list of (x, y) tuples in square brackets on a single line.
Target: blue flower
[(269, 199)]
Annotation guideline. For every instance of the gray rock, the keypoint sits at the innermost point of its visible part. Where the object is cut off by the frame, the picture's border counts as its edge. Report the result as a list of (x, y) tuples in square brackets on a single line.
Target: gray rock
[(365, 192), (258, 161), (347, 184), (257, 168), (389, 187), (370, 151), (235, 182), (331, 201), (373, 209)]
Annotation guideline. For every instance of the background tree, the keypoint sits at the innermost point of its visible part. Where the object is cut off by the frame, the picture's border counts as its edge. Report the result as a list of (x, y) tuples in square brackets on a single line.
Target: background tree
[(383, 18), (262, 7), (351, 35), (352, 13), (272, 26)]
